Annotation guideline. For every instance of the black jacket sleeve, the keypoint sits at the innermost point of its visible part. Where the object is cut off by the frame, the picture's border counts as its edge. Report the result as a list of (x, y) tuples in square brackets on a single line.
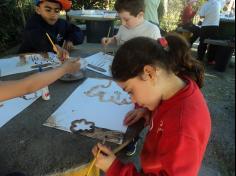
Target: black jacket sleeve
[(35, 40), (74, 34)]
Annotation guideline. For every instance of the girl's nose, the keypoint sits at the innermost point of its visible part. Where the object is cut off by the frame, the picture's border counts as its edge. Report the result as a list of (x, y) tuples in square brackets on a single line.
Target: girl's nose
[(133, 99)]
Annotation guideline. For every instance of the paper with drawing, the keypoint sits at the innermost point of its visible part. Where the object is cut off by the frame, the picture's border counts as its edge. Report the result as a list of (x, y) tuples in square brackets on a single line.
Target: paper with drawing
[(98, 101), (27, 62), (10, 108), (100, 63)]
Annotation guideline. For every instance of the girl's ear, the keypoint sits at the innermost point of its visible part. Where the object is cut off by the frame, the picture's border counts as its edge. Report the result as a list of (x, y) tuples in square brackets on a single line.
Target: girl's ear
[(149, 73)]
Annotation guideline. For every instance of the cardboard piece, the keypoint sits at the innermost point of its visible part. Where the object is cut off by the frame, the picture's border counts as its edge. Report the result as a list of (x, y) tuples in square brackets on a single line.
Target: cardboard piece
[(98, 101)]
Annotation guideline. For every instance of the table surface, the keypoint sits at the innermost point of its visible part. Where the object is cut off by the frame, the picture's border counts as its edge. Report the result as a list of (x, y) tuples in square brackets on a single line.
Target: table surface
[(28, 146), (225, 18), (226, 43), (98, 15)]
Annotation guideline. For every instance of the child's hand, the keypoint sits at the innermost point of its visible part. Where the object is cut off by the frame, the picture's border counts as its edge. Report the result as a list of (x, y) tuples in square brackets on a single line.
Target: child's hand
[(106, 41), (62, 53), (68, 45), (71, 66), (105, 159), (135, 115)]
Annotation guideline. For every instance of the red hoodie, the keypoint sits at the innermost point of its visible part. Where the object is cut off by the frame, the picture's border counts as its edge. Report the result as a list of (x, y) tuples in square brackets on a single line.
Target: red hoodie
[(177, 138), (188, 14)]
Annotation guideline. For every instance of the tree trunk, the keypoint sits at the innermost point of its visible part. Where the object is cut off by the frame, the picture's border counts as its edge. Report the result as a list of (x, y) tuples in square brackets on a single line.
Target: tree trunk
[(166, 3)]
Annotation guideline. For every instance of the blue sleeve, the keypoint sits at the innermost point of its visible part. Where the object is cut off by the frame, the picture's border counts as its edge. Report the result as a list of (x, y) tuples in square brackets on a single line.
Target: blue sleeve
[(75, 34)]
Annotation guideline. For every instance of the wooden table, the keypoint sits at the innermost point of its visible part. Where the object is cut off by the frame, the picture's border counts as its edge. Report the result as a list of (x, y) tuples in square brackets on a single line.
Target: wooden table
[(225, 18), (224, 53), (97, 22), (227, 28), (28, 146)]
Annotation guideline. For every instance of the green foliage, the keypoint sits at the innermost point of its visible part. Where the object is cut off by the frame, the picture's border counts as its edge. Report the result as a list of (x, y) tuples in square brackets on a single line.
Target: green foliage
[(12, 21), (93, 4), (170, 20)]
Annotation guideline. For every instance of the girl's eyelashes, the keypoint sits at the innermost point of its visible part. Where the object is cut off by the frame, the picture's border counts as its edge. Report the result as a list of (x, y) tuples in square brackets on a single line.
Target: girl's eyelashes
[(130, 92)]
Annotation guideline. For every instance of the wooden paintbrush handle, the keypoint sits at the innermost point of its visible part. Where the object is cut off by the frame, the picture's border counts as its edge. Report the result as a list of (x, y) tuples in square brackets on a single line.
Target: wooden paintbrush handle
[(95, 159), (122, 146)]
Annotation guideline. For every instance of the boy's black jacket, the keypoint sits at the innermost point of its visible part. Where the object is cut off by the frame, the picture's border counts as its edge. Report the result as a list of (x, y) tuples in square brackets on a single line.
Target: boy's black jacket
[(35, 39)]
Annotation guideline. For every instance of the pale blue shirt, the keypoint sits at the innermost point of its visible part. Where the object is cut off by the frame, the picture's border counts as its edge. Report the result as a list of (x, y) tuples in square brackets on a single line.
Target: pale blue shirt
[(211, 13), (151, 10)]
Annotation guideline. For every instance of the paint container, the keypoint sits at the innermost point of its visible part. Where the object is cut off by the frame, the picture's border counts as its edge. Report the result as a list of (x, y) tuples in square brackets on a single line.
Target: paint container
[(1, 103), (45, 94), (45, 91), (81, 74)]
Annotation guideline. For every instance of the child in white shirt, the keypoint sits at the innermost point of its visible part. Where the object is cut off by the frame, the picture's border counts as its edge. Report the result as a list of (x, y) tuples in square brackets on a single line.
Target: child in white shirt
[(131, 13)]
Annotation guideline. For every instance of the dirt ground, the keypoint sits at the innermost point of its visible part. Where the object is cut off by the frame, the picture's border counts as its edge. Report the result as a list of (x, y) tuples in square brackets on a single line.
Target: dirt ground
[(219, 91)]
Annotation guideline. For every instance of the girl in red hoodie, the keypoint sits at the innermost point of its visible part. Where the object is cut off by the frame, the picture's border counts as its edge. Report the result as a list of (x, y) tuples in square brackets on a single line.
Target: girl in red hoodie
[(162, 77)]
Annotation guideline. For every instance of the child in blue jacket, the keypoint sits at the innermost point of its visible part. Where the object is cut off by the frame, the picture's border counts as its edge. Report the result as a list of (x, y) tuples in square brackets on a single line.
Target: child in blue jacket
[(46, 20)]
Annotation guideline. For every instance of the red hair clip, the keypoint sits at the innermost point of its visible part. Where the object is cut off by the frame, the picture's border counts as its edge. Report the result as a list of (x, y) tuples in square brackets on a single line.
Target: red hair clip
[(164, 43)]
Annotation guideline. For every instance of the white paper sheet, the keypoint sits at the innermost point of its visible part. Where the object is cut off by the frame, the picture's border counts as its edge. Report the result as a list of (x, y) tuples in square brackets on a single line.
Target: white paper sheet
[(9, 109), (96, 100), (14, 65), (102, 61)]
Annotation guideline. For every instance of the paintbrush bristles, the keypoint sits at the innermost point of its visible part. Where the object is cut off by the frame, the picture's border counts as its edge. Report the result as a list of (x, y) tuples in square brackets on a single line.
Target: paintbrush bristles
[(95, 159)]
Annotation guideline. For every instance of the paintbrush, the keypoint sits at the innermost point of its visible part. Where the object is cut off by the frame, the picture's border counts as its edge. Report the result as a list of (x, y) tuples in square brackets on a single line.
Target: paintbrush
[(95, 159), (81, 170), (53, 45), (108, 34), (99, 152)]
